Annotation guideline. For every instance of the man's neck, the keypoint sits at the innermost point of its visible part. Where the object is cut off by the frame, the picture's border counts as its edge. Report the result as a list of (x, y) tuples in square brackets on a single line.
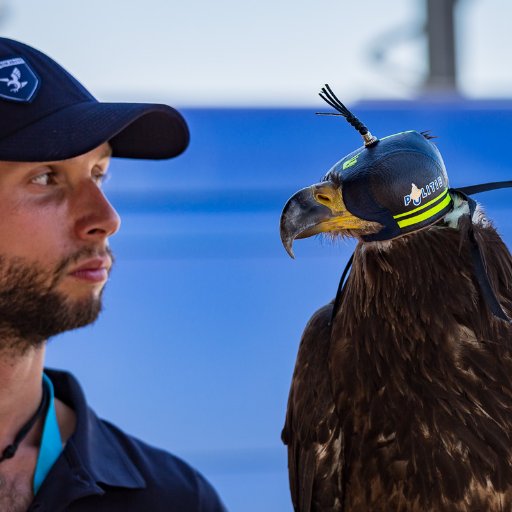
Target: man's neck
[(20, 393)]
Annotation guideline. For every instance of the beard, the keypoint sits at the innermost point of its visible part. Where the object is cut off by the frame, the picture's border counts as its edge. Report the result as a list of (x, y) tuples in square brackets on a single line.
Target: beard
[(33, 310)]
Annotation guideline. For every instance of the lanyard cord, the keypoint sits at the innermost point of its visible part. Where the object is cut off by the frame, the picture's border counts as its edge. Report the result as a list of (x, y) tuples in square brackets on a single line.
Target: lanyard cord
[(476, 253), (341, 287), (484, 187), (10, 450), (479, 267)]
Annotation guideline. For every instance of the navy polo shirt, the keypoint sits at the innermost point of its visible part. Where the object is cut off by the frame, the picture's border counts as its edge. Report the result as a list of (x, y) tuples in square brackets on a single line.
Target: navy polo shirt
[(102, 469)]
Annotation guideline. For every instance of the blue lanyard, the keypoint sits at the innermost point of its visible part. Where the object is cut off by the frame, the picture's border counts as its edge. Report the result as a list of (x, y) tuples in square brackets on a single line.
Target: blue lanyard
[(51, 442)]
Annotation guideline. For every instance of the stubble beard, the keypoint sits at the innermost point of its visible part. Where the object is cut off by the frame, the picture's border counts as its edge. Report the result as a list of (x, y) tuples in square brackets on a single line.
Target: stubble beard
[(32, 310)]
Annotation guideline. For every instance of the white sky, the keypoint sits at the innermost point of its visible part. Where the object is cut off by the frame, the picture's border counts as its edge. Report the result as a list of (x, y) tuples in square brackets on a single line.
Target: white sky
[(255, 52)]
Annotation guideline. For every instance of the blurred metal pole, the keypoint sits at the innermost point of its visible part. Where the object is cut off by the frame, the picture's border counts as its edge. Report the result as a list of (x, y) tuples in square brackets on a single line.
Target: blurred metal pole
[(440, 28)]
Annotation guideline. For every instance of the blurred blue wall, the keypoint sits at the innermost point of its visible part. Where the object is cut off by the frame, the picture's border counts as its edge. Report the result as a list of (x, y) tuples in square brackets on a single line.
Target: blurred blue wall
[(204, 311)]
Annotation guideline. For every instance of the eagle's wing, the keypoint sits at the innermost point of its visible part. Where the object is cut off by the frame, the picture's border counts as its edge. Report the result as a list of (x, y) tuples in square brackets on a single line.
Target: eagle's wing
[(16, 74), (312, 430)]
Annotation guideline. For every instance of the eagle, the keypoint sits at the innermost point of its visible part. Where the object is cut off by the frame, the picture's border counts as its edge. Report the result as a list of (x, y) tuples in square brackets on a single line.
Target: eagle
[(401, 396)]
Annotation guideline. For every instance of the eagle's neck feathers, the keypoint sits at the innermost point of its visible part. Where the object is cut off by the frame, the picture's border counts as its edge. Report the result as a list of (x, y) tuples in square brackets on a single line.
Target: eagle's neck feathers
[(418, 360)]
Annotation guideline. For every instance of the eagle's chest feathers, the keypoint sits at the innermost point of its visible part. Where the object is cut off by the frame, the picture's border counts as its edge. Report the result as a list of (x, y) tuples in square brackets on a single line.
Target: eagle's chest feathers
[(422, 379)]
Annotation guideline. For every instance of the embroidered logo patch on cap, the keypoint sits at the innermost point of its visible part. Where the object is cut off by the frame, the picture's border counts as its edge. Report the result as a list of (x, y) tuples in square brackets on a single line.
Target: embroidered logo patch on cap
[(17, 81)]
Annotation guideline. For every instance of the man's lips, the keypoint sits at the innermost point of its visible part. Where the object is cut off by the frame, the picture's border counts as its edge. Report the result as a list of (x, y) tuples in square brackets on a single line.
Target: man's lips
[(93, 271)]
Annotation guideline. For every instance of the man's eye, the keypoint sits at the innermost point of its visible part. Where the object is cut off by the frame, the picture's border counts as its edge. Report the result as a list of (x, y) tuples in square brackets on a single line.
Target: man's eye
[(100, 175), (46, 178), (100, 178)]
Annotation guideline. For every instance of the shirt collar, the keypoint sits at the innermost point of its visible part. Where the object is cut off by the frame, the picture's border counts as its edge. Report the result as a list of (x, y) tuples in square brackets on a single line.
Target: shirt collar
[(51, 442), (93, 449)]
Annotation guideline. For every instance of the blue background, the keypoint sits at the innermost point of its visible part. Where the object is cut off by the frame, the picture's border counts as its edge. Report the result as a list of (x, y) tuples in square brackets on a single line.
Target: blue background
[(204, 310)]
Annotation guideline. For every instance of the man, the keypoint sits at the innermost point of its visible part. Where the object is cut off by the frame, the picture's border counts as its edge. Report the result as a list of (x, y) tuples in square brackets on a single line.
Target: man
[(56, 141)]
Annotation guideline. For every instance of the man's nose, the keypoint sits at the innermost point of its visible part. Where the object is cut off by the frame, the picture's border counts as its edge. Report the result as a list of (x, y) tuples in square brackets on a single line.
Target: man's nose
[(96, 219)]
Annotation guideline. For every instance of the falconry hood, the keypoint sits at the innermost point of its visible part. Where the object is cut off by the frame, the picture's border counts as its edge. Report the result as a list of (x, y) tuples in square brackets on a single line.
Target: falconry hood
[(399, 181)]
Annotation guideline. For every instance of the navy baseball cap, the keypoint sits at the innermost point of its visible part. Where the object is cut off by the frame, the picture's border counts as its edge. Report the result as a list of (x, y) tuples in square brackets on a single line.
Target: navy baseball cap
[(46, 115)]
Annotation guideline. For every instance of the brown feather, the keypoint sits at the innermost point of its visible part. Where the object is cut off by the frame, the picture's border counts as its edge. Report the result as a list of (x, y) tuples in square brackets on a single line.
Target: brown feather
[(408, 406), (312, 430)]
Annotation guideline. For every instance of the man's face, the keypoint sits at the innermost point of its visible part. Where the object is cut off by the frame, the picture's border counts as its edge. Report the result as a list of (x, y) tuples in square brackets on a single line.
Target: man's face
[(54, 259)]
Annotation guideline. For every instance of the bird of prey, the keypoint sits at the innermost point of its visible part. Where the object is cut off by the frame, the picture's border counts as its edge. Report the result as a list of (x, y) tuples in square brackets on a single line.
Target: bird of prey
[(401, 397)]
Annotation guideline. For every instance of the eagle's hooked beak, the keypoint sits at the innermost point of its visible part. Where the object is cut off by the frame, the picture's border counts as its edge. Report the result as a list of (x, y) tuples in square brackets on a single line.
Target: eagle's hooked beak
[(317, 209)]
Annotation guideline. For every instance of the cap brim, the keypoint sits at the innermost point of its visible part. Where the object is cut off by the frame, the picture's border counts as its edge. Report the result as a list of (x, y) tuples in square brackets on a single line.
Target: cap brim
[(134, 130)]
